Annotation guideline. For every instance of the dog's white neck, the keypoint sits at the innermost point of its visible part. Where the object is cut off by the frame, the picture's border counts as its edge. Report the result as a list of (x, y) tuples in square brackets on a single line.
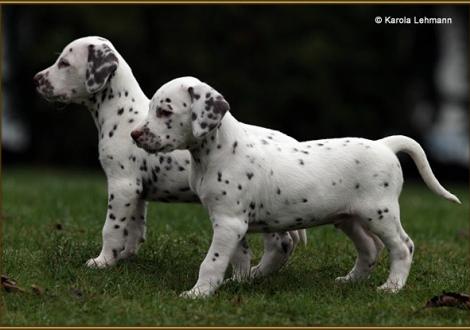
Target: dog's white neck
[(228, 135), (120, 105)]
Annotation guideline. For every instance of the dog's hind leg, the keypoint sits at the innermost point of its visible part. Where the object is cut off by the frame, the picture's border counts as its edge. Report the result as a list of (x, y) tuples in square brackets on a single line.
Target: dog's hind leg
[(277, 249), (384, 221), (368, 248), (241, 261)]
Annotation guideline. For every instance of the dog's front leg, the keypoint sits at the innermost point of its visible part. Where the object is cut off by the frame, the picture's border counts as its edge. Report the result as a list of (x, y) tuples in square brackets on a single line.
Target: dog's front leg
[(136, 228), (228, 231), (241, 261), (124, 227)]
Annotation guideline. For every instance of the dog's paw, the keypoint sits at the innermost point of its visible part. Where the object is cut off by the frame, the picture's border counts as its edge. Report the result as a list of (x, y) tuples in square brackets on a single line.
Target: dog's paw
[(195, 293), (353, 276), (344, 279), (256, 272), (127, 254), (240, 275), (389, 288), (99, 263)]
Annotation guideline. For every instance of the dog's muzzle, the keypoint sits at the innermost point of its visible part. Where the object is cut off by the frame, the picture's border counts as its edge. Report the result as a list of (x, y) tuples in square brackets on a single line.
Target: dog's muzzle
[(145, 140), (46, 90)]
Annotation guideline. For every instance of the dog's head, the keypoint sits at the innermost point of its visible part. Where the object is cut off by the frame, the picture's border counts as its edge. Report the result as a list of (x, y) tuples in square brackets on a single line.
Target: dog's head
[(82, 69), (181, 112)]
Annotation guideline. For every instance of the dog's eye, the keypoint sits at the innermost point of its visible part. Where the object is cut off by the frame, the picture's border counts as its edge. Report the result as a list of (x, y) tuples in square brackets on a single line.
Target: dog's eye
[(63, 63), (163, 113)]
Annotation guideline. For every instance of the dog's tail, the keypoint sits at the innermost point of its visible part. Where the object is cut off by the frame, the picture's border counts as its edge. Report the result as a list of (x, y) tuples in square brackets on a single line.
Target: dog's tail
[(399, 143)]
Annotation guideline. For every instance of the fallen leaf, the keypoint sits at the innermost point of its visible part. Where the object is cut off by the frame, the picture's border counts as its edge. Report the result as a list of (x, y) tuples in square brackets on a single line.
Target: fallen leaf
[(463, 233), (77, 293), (237, 300), (9, 284), (450, 299), (37, 290)]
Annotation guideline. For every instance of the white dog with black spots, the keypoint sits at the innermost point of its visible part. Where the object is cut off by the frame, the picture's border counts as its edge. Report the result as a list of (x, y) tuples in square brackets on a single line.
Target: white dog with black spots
[(90, 71), (252, 183)]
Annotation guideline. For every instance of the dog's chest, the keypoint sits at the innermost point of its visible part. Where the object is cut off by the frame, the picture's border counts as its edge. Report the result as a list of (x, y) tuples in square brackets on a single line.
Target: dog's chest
[(165, 178)]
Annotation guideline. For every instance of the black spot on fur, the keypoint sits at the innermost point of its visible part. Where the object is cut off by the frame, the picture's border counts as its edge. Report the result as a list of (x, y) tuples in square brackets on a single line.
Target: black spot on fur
[(235, 144)]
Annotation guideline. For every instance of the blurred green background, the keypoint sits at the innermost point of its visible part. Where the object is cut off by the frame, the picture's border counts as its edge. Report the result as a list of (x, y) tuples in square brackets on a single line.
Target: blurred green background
[(311, 71)]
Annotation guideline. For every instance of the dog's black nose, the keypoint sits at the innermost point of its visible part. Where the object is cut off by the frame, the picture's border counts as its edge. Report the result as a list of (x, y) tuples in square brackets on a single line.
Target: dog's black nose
[(136, 134), (36, 79)]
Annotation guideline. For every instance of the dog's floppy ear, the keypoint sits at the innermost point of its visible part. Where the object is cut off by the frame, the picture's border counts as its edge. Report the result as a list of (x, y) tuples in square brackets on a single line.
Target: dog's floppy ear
[(208, 107), (102, 62)]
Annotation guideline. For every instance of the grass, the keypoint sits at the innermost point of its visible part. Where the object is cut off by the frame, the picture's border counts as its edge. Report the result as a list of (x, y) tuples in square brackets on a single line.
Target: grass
[(144, 291)]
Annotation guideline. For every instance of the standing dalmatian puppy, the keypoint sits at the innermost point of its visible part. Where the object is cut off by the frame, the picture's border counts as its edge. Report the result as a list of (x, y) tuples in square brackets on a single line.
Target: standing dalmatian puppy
[(275, 186), (90, 71)]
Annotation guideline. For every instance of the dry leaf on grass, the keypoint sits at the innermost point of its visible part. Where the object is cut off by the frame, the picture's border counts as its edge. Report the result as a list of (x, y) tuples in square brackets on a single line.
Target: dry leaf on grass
[(76, 293), (37, 290), (9, 284), (463, 233), (237, 300), (450, 299)]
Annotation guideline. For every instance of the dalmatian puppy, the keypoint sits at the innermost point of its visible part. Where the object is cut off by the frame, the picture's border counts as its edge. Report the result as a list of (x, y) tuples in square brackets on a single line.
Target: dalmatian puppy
[(251, 183), (90, 71)]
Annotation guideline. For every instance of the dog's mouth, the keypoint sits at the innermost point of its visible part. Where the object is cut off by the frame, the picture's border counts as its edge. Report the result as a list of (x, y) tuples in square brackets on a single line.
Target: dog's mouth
[(60, 99), (148, 147), (154, 148)]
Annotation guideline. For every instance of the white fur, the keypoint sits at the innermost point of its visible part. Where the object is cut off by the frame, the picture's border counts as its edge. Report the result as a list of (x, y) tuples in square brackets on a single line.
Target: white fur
[(134, 176), (353, 183)]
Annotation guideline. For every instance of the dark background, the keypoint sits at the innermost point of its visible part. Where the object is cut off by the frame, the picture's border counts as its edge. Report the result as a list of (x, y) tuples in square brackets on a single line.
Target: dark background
[(311, 71)]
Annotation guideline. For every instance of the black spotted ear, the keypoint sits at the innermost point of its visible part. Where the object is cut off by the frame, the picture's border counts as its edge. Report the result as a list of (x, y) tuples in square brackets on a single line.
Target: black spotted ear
[(102, 62), (208, 107)]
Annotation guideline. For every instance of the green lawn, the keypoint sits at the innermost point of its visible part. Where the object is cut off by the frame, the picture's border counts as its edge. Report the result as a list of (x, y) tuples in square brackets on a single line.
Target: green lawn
[(144, 291)]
